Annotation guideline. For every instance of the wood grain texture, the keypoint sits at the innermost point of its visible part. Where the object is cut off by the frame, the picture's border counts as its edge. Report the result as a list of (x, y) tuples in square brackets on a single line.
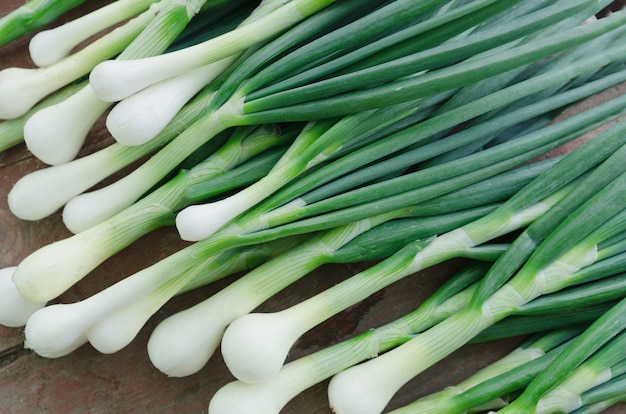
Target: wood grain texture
[(126, 382)]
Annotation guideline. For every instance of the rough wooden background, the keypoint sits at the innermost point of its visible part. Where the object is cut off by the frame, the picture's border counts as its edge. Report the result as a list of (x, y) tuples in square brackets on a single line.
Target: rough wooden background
[(126, 382)]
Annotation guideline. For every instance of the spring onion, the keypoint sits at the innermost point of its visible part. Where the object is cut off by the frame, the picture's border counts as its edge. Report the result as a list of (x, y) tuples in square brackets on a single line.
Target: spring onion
[(271, 395), (301, 327), (91, 170), (58, 329), (454, 295), (115, 80), (50, 46), (156, 161), (12, 131), (175, 263), (575, 125)]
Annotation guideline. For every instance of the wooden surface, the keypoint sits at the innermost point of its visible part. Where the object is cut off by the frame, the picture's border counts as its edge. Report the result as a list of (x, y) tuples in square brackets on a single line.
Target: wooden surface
[(126, 382)]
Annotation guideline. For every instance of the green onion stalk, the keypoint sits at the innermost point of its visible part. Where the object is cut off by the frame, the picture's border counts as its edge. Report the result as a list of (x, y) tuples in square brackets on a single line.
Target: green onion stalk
[(438, 27), (141, 128), (78, 212), (282, 329), (160, 165), (490, 394), (603, 281), (111, 79), (271, 395), (314, 202), (406, 261), (451, 399), (401, 71), (195, 259), (424, 52), (604, 288), (32, 15), (13, 130), (535, 193), (209, 122), (522, 325), (392, 234), (244, 158), (73, 118), (599, 407), (421, 185), (213, 215), (597, 369), (559, 304), (603, 396), (63, 275), (588, 361), (139, 117), (548, 269), (234, 236)]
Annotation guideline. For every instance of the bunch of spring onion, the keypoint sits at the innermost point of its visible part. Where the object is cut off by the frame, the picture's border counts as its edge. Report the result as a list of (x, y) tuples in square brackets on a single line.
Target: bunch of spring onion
[(376, 95), (592, 359), (108, 320), (64, 277), (199, 315), (450, 124)]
